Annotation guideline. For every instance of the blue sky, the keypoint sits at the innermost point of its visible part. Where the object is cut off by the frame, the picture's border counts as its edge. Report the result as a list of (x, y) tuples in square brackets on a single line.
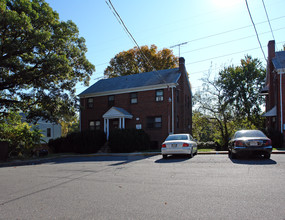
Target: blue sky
[(219, 32)]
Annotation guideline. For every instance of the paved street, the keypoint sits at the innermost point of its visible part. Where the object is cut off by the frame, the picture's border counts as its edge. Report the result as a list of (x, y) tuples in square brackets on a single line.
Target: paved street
[(138, 187)]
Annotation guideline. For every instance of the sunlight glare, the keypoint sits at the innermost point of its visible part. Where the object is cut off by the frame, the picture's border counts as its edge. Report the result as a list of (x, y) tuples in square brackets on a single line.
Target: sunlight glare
[(225, 3)]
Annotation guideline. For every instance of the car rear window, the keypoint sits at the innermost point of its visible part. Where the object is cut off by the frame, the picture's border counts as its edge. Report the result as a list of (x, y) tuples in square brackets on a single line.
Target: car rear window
[(177, 137), (253, 133)]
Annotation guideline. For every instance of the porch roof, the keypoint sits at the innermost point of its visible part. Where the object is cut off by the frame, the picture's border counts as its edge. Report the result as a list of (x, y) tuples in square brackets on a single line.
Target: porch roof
[(116, 112), (271, 113)]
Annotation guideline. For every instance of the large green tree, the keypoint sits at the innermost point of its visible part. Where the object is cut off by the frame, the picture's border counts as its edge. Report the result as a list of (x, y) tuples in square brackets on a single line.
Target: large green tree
[(231, 101), (140, 60), (212, 105), (41, 60), (241, 86)]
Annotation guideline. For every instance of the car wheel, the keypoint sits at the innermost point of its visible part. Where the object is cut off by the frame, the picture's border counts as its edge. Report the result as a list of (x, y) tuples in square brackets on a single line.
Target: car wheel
[(267, 156), (192, 154), (164, 156), (232, 155)]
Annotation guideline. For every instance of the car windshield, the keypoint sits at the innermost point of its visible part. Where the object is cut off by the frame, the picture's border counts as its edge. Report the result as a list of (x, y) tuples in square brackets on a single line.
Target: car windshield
[(249, 133), (177, 137)]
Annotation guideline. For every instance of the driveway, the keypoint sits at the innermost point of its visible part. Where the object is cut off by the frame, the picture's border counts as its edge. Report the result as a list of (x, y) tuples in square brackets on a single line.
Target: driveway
[(145, 187)]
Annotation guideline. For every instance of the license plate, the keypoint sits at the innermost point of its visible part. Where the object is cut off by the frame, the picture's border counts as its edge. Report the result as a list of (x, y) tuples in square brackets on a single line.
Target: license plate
[(253, 143), (174, 145)]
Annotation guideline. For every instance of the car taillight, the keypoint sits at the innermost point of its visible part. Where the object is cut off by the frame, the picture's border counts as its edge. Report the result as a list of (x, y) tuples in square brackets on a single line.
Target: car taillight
[(163, 146), (185, 145), (268, 143), (239, 143)]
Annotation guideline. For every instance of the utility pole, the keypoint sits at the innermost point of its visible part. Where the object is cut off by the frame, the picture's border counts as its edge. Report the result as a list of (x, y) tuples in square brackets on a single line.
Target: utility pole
[(178, 45)]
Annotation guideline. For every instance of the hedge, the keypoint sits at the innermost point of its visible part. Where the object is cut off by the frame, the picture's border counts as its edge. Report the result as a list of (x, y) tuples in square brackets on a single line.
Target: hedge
[(128, 140), (79, 142)]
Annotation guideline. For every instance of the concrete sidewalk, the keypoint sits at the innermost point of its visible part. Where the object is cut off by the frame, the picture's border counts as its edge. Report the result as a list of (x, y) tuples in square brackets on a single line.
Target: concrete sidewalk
[(49, 158)]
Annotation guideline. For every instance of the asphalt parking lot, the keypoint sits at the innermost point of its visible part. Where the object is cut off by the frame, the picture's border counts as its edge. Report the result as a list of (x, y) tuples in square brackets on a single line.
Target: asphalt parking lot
[(145, 187)]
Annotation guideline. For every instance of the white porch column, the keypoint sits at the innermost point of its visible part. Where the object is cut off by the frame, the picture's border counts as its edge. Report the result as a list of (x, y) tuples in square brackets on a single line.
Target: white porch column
[(120, 123), (105, 125), (123, 123), (107, 132)]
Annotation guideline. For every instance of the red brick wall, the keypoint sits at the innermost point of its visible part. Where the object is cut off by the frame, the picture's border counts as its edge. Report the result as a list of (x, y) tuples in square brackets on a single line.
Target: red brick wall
[(147, 106)]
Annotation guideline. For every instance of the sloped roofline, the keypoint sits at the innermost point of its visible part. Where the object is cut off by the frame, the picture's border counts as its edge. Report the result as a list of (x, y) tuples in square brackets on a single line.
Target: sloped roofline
[(141, 82), (129, 90)]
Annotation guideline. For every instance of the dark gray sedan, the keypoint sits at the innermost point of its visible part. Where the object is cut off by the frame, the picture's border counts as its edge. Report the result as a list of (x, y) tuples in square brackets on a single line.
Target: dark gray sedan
[(250, 142)]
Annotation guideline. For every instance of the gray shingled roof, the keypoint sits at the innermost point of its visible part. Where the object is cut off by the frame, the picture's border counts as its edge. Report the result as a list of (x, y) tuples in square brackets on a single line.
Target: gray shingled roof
[(279, 60), (123, 111), (134, 81)]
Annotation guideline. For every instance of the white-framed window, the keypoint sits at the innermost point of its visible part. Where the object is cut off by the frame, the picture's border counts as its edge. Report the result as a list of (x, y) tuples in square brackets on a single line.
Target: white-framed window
[(91, 125), (111, 100), (48, 132), (94, 125), (134, 97), (159, 95), (154, 122), (90, 102)]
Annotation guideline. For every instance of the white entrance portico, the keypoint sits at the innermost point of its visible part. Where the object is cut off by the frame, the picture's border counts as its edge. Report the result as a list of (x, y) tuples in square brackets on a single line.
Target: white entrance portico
[(114, 113)]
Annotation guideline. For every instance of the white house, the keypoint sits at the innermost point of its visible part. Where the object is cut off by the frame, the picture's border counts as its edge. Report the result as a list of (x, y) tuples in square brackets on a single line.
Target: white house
[(48, 129)]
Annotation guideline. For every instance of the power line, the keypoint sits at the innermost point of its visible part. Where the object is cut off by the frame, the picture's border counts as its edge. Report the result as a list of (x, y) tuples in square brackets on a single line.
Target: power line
[(268, 20), (255, 30), (133, 39), (128, 32), (199, 61), (226, 42)]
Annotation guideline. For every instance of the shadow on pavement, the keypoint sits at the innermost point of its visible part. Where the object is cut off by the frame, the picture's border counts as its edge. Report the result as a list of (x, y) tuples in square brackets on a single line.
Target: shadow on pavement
[(173, 159), (253, 160), (118, 160)]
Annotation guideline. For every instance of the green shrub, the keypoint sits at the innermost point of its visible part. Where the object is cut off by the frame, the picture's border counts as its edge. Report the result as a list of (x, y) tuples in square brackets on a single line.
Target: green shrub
[(79, 142), (21, 137), (208, 145), (128, 140)]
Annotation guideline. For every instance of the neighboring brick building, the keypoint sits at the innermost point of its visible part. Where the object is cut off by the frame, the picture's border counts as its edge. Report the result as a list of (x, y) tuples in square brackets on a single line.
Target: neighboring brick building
[(159, 102), (275, 91)]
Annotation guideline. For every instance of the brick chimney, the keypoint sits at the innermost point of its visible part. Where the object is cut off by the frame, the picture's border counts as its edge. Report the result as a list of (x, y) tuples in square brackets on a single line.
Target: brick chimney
[(272, 97), (182, 64), (271, 50)]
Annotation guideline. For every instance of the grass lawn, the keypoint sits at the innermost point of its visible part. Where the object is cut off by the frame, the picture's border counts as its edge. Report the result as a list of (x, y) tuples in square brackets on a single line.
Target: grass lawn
[(205, 150)]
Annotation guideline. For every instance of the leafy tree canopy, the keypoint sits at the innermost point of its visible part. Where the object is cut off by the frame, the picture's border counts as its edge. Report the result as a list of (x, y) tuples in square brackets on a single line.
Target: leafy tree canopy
[(241, 86), (41, 60), (132, 61), (231, 101)]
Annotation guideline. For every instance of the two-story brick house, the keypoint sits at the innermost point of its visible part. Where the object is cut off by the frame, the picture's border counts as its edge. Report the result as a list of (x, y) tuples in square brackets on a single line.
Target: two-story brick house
[(159, 102), (275, 91)]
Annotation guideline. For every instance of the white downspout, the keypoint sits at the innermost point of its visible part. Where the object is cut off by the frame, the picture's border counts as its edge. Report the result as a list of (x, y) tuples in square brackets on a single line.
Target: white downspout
[(281, 112), (281, 105), (172, 112)]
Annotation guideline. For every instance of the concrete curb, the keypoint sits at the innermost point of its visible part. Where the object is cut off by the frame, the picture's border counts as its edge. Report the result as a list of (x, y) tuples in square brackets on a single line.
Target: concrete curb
[(44, 160)]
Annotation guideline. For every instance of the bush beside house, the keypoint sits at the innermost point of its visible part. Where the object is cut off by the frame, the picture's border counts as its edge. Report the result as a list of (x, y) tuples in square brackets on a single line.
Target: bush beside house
[(128, 140), (79, 142)]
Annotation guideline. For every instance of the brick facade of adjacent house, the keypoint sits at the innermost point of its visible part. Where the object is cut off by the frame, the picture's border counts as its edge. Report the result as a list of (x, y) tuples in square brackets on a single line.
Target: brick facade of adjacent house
[(275, 93), (145, 108)]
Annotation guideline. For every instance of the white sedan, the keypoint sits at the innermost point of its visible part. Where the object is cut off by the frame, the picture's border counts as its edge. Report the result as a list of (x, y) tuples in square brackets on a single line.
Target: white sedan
[(179, 144)]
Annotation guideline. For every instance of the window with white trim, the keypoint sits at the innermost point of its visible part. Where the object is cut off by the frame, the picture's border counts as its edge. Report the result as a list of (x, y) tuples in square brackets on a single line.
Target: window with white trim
[(159, 95), (134, 97), (154, 122)]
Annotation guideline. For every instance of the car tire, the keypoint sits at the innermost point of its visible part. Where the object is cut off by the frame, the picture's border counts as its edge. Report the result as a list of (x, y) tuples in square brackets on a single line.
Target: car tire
[(267, 156), (232, 155), (164, 156), (191, 155)]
